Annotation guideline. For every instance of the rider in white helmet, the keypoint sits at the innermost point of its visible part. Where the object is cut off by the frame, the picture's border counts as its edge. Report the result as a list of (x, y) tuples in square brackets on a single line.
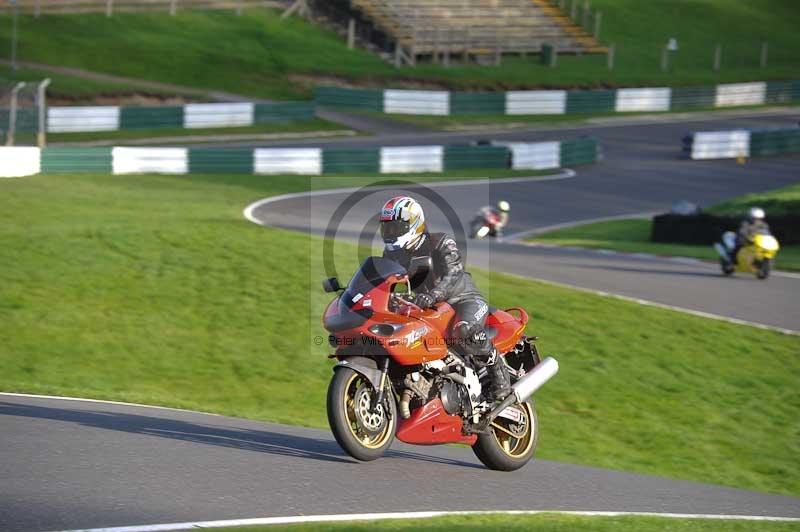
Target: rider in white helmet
[(751, 226), (501, 210), (406, 236)]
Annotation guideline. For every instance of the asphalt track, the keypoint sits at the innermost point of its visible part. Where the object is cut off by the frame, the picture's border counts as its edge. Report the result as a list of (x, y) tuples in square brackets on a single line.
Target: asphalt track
[(71, 465), (642, 172)]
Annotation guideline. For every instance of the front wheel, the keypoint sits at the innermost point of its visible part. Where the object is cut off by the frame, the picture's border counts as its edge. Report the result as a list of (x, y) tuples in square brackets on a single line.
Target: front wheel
[(764, 269), (510, 444), (727, 267), (365, 433)]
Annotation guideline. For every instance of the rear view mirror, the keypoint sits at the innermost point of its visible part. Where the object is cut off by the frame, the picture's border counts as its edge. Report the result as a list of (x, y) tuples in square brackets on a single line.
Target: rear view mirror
[(331, 285)]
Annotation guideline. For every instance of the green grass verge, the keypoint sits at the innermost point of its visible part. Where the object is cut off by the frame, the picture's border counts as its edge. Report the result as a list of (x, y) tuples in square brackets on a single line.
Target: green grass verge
[(541, 523), (777, 202), (154, 289), (258, 53), (133, 134), (634, 235)]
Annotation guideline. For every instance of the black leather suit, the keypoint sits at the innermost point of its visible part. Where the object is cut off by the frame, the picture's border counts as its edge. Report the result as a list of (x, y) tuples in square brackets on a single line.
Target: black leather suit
[(451, 283)]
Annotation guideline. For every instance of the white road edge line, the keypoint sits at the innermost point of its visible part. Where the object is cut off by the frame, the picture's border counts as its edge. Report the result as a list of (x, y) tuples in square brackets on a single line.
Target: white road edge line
[(102, 401), (297, 519), (648, 303), (565, 173)]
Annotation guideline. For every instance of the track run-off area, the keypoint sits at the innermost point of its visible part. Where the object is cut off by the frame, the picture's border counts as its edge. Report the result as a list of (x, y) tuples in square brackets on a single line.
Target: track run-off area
[(76, 464)]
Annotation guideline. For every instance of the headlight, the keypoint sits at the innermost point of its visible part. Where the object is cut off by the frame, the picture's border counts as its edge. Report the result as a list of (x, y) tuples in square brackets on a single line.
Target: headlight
[(385, 329)]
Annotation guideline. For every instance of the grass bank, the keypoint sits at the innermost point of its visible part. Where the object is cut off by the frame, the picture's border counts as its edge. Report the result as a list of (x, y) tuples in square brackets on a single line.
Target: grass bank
[(633, 236), (154, 289), (539, 523), (258, 54)]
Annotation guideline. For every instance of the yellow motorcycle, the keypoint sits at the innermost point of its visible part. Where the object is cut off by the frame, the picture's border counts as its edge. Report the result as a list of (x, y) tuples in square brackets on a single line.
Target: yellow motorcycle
[(755, 257)]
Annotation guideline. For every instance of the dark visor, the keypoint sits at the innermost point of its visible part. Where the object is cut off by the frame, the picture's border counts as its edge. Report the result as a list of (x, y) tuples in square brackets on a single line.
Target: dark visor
[(392, 230)]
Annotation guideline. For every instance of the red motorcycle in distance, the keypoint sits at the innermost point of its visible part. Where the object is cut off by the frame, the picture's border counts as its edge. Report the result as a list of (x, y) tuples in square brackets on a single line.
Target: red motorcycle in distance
[(486, 223), (398, 374)]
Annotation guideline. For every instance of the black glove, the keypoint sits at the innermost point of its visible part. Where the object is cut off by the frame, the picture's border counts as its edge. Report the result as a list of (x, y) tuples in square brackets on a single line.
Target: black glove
[(424, 300)]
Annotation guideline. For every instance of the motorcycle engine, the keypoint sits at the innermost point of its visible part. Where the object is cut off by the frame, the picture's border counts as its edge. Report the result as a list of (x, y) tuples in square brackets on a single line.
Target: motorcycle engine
[(454, 396)]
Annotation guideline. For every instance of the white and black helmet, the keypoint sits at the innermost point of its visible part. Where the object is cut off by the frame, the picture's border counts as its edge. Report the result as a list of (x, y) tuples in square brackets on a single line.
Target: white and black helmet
[(402, 224), (755, 213)]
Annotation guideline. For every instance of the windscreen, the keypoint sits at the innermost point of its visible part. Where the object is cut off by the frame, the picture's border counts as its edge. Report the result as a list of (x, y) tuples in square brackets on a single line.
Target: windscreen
[(373, 272)]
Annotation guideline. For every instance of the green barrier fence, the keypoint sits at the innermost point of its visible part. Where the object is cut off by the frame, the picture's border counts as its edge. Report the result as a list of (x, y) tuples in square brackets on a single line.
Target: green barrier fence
[(150, 117), (27, 120), (779, 92), (221, 160), (337, 161), (76, 160), (364, 99), (684, 98), (283, 113), (581, 151), (466, 103), (600, 101), (774, 142), (464, 157)]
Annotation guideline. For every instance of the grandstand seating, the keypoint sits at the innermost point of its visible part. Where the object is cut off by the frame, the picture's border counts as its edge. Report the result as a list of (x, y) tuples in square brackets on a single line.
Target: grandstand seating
[(475, 27)]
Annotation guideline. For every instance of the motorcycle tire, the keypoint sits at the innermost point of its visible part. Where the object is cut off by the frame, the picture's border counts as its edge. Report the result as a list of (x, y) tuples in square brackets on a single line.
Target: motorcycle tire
[(346, 391), (494, 454), (727, 268), (764, 269)]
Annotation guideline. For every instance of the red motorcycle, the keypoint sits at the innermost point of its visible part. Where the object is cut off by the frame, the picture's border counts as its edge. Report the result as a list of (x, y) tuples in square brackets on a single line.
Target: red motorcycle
[(398, 373), (486, 223)]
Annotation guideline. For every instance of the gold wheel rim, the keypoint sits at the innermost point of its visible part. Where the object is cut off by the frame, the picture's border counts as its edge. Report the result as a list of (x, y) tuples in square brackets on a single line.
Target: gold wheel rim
[(376, 441), (515, 443)]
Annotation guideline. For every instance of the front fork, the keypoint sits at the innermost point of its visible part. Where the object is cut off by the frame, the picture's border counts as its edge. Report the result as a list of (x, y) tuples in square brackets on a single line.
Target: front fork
[(381, 392)]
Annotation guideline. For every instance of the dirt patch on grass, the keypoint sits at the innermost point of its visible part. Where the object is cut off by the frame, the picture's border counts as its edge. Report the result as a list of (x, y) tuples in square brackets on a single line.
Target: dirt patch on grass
[(120, 98)]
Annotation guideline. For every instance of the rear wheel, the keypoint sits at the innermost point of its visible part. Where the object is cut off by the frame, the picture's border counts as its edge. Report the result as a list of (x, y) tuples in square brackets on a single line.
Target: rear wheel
[(764, 269), (365, 433), (509, 445)]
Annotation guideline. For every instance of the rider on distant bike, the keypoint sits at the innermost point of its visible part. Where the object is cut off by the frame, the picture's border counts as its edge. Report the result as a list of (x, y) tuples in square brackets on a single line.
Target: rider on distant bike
[(501, 211), (406, 236), (751, 226)]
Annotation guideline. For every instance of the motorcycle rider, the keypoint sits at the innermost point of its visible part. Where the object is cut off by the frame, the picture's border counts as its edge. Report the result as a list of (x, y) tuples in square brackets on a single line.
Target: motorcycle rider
[(751, 226), (501, 210), (405, 235)]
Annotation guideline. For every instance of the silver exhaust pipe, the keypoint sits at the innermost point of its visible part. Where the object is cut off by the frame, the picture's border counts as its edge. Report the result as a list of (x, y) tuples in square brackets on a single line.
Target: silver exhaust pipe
[(524, 388), (527, 385)]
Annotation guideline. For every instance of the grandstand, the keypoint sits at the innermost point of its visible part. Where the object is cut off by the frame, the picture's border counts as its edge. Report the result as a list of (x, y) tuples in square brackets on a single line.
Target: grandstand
[(474, 29)]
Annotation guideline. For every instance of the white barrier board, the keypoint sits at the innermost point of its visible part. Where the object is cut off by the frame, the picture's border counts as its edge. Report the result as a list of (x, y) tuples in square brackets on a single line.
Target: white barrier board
[(533, 156), (536, 102), (76, 119), (632, 100), (741, 94), (150, 160), (199, 115), (416, 102), (721, 144), (412, 159), (305, 161), (19, 161)]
